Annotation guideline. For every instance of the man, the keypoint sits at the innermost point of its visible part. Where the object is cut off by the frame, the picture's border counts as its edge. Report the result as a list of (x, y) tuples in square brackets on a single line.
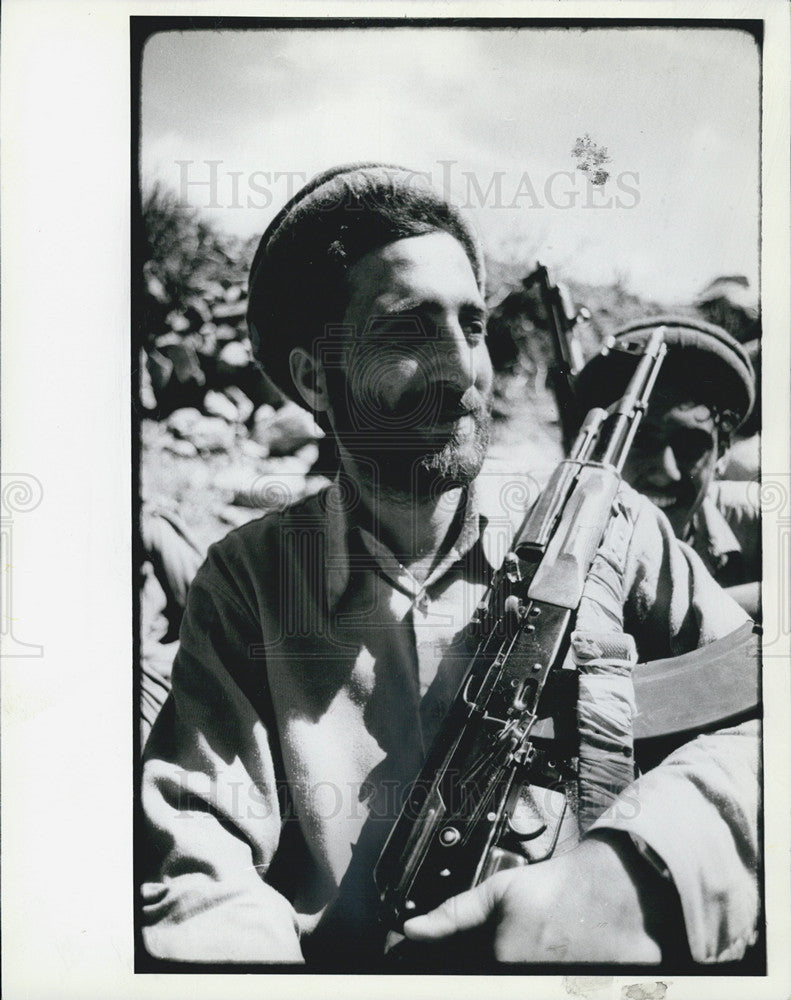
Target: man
[(704, 394), (171, 559), (730, 302), (322, 646)]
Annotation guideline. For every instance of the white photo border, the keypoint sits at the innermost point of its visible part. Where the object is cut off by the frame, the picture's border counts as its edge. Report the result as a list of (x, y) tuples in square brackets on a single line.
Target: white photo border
[(68, 744)]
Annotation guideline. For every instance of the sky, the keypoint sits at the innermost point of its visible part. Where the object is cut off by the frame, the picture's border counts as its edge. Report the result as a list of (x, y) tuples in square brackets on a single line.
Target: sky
[(491, 117)]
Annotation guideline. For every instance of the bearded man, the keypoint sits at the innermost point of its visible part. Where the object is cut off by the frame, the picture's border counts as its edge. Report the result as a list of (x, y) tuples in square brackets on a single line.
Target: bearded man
[(322, 646)]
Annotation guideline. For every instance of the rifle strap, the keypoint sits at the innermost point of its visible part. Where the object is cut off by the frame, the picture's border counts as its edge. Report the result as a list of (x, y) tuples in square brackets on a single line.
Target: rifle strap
[(605, 708)]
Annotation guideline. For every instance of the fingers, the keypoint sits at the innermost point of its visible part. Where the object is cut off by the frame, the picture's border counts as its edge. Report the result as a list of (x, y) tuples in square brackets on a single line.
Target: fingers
[(460, 913)]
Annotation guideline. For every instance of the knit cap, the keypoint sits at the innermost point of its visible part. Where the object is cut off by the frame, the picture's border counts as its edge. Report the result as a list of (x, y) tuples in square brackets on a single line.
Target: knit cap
[(298, 276), (703, 362)]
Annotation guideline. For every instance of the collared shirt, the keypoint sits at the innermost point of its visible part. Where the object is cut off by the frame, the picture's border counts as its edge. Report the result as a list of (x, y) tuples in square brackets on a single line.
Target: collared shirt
[(313, 674), (726, 532)]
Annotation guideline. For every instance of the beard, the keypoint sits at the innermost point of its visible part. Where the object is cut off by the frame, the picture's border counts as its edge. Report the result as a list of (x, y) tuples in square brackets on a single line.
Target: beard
[(427, 444)]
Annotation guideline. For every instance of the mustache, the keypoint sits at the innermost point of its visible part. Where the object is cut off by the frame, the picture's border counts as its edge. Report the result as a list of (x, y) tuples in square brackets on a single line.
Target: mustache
[(437, 403)]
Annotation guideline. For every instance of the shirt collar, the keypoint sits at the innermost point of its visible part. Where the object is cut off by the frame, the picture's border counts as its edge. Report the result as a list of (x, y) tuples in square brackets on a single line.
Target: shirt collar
[(492, 531), (712, 532)]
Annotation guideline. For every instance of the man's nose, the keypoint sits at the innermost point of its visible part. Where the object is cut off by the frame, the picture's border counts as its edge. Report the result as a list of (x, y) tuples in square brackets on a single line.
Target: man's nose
[(665, 468), (456, 358)]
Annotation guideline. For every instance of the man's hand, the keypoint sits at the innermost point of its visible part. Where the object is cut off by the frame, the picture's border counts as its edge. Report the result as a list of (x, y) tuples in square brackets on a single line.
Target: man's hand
[(597, 903)]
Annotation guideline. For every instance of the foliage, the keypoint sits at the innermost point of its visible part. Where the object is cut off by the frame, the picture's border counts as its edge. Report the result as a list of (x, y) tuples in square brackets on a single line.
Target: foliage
[(185, 257)]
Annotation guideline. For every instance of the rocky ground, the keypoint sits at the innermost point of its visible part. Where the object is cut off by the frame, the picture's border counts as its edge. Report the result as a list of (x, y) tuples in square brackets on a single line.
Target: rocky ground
[(229, 477)]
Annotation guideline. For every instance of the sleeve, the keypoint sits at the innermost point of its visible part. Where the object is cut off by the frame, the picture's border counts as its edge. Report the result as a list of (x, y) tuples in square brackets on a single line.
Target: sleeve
[(697, 811), (671, 602), (210, 803)]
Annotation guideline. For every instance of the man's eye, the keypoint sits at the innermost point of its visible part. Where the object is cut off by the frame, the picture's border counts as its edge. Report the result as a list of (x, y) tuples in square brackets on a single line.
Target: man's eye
[(475, 330), (690, 446)]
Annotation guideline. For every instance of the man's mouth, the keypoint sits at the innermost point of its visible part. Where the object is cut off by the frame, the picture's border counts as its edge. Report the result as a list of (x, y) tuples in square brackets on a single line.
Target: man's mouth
[(449, 421), (661, 500), (444, 417), (682, 496), (450, 415)]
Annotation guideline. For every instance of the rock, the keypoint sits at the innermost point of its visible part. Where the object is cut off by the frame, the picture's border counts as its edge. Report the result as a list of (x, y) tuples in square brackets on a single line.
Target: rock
[(206, 433), (223, 332), (233, 359), (213, 290), (177, 322), (208, 345), (314, 484), (181, 352), (160, 369), (148, 399), (156, 289), (213, 434), (170, 339), (233, 294), (273, 490), (199, 306), (307, 455), (236, 480), (237, 516), (185, 449), (286, 430), (230, 310), (263, 415), (217, 404), (252, 449), (267, 484), (242, 402), (181, 422)]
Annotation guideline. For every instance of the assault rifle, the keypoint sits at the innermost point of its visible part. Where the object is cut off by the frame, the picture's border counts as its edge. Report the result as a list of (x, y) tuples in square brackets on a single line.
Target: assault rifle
[(457, 825), (563, 319)]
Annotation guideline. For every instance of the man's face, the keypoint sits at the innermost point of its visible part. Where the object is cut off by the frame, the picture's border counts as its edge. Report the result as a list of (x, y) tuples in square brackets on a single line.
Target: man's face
[(674, 456), (409, 402)]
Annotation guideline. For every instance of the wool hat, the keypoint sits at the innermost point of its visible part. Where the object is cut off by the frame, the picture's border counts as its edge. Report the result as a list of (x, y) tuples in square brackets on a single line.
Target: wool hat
[(298, 275), (702, 361), (731, 303)]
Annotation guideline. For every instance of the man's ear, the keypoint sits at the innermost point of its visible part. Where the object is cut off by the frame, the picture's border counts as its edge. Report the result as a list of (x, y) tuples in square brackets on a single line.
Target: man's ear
[(724, 429), (308, 376), (723, 447)]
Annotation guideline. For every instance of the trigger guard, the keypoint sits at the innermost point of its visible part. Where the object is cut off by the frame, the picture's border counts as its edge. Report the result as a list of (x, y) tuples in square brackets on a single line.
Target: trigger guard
[(524, 835)]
